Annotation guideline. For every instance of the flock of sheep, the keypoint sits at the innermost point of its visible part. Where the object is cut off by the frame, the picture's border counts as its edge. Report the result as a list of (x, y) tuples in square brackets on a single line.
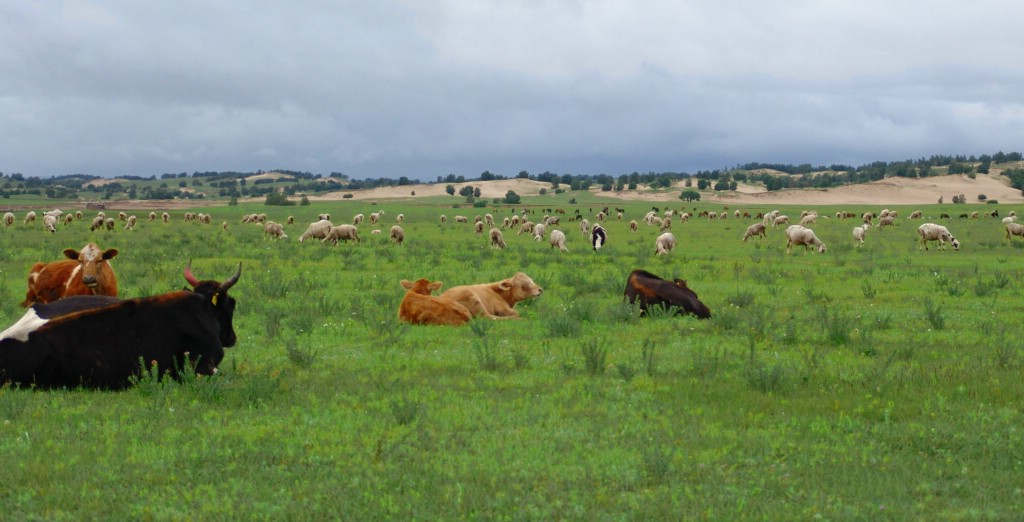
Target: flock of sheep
[(325, 231)]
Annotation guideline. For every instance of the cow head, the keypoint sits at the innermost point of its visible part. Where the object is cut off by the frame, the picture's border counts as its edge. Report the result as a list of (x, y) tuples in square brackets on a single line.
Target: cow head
[(91, 259), (520, 287), (421, 286), (216, 295)]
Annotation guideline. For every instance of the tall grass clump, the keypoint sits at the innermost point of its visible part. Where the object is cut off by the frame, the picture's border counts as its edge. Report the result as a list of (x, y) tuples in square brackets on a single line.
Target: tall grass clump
[(933, 313), (594, 357)]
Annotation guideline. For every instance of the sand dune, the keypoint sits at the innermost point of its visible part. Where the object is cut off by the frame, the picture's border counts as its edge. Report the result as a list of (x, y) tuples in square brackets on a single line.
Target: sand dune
[(890, 191)]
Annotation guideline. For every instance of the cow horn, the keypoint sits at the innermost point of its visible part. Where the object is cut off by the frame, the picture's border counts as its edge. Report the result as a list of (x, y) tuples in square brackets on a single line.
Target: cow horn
[(188, 275), (231, 280)]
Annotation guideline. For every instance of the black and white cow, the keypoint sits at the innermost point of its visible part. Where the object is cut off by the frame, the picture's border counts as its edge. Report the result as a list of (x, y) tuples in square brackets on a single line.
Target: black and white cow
[(102, 342)]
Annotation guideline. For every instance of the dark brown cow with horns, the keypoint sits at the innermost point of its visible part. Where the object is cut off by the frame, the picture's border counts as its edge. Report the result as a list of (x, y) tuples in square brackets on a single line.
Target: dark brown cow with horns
[(104, 342), (85, 272), (649, 289)]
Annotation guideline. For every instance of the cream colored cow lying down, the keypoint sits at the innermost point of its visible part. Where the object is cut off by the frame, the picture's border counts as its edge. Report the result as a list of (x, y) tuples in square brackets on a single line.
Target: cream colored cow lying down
[(495, 300)]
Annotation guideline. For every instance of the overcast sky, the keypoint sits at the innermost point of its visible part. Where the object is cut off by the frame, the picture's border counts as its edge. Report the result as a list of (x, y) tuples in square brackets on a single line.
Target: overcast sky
[(425, 88)]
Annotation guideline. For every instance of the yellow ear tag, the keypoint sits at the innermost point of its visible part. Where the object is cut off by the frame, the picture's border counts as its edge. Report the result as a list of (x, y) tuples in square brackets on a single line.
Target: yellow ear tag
[(214, 299)]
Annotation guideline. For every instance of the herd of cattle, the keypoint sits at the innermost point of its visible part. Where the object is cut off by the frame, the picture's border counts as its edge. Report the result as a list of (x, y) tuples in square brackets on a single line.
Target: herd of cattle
[(77, 332)]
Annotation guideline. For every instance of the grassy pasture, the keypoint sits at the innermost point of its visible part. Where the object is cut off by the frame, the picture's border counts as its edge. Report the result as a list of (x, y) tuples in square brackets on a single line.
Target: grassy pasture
[(873, 383)]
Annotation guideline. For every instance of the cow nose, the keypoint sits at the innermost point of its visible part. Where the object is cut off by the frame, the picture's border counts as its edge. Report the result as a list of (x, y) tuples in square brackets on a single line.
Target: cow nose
[(89, 280)]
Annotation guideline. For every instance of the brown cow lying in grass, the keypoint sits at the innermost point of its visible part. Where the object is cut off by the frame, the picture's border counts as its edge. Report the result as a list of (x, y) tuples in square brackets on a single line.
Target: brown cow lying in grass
[(495, 300), (420, 307)]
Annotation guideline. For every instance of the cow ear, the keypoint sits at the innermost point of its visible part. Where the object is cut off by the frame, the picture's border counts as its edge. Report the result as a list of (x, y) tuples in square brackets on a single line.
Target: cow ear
[(71, 253), (506, 285), (435, 286), (110, 253), (406, 284)]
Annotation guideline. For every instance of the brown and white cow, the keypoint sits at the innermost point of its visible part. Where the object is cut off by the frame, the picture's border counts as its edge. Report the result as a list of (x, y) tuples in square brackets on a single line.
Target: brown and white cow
[(420, 306), (85, 272), (498, 299)]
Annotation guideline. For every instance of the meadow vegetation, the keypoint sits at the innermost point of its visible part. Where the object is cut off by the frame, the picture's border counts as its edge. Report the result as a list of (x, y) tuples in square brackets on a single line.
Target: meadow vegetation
[(878, 382)]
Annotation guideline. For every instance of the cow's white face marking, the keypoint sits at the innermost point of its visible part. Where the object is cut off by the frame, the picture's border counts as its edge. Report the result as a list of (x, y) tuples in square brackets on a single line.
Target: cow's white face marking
[(28, 323), (90, 253)]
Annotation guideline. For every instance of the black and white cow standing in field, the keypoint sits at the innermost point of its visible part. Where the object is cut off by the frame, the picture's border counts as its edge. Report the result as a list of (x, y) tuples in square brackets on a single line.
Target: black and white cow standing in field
[(598, 237), (103, 342)]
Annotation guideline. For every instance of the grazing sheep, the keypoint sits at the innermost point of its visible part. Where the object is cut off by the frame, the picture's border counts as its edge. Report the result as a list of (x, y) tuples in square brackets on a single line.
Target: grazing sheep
[(859, 233), (867, 217), (887, 221), (8, 219), (809, 219), (1010, 219), (780, 220), (165, 217), (291, 220), (130, 222), (1014, 229), (538, 231), (97, 223), (316, 230), (666, 224), (557, 240), (398, 235), (152, 216), (342, 232), (358, 219), (50, 223), (757, 229), (324, 217), (444, 219), (633, 226), (933, 232), (585, 227), (478, 227), (459, 219), (664, 244), (798, 235), (915, 215), (30, 217), (273, 230), (400, 219), (497, 240)]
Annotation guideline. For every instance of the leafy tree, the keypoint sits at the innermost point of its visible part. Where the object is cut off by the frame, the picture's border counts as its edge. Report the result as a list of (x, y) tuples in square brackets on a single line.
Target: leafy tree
[(511, 198), (690, 195), (278, 198), (466, 191), (982, 197), (450, 189), (304, 201), (476, 192)]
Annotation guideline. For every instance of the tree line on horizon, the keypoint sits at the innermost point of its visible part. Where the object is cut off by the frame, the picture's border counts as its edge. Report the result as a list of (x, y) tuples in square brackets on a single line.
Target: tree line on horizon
[(233, 184)]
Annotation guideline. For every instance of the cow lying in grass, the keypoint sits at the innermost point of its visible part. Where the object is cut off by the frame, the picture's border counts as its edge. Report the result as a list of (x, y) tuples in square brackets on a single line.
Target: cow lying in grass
[(648, 289), (419, 306), (495, 300)]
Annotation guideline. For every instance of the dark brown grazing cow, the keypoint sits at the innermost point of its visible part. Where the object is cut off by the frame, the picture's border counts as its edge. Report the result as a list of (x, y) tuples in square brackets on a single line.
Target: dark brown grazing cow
[(650, 289), (87, 272)]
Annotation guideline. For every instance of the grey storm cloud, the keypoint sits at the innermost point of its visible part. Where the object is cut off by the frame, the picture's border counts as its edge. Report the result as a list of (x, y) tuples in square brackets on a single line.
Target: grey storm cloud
[(422, 89)]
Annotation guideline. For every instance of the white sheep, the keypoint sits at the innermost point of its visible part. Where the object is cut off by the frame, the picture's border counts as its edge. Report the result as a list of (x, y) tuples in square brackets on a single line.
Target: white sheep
[(757, 229), (316, 230), (538, 231), (664, 244), (933, 232), (798, 235), (497, 240), (273, 230), (342, 232), (859, 233), (780, 220), (1014, 229), (557, 240), (887, 221), (398, 234)]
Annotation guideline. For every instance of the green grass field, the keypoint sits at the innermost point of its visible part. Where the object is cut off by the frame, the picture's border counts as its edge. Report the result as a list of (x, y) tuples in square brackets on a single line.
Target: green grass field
[(872, 383)]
